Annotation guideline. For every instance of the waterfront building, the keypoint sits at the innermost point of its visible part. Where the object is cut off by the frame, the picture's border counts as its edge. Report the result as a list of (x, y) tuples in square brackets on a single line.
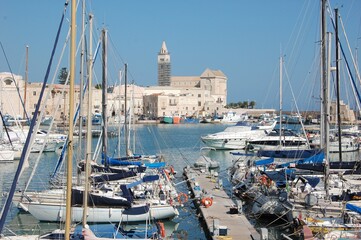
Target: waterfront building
[(164, 66), (188, 96), (116, 100), (347, 115), (8, 94)]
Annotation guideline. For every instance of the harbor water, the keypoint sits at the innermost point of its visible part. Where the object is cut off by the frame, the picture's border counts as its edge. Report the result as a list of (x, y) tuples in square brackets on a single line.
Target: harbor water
[(180, 145)]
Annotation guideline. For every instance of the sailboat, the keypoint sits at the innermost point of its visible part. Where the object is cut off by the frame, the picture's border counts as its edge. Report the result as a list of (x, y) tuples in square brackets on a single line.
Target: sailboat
[(27, 145), (282, 143), (118, 205), (67, 210), (324, 210)]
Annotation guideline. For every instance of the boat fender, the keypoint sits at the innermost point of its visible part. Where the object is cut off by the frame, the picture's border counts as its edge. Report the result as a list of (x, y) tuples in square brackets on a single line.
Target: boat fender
[(207, 202), (167, 174), (171, 169), (182, 198), (161, 229)]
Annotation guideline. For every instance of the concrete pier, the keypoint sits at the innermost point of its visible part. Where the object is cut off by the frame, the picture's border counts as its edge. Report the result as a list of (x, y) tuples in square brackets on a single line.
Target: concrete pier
[(223, 217)]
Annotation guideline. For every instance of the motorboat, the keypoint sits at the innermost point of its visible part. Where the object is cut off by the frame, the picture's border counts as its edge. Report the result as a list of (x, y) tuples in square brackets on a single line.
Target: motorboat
[(238, 136)]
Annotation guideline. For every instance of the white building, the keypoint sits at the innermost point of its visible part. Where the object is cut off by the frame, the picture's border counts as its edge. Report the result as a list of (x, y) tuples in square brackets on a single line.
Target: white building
[(188, 96)]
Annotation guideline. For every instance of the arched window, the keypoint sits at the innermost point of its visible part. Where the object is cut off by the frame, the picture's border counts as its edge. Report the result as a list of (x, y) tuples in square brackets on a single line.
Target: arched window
[(8, 81)]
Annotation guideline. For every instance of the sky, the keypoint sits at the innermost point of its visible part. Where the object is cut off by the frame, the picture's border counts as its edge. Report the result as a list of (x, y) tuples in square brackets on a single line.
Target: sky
[(243, 39)]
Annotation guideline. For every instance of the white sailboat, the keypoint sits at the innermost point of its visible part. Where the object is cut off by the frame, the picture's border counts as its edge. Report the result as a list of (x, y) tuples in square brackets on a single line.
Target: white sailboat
[(280, 139), (50, 205)]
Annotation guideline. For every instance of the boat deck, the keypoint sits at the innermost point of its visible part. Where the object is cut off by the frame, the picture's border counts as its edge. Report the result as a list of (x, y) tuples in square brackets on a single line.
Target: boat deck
[(222, 218)]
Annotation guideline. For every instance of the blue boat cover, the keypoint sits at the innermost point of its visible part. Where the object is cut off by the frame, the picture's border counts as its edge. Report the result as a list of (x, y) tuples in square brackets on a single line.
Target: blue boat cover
[(295, 153), (281, 175), (318, 158), (155, 165), (313, 181), (353, 207), (262, 162), (149, 178)]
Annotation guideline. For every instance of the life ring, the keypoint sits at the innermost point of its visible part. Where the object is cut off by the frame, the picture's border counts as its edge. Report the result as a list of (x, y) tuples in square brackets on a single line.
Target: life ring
[(207, 202), (161, 229), (182, 198)]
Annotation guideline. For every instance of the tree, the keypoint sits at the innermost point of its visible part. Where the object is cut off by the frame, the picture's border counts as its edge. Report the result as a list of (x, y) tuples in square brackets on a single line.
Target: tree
[(98, 86), (63, 75), (241, 104), (252, 104)]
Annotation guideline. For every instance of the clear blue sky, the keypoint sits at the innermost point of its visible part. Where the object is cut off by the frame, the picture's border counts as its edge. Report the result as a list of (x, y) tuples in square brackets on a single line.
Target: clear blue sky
[(244, 39)]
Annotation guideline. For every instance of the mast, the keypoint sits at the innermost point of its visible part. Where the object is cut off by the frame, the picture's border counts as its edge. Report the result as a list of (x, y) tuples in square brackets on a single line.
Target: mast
[(338, 86), (325, 95), (26, 78), (71, 116), (89, 124), (126, 109), (81, 86), (104, 95), (119, 111), (281, 103)]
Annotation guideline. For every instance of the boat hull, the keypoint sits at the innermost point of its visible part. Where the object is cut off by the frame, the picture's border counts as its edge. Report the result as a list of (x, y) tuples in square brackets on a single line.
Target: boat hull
[(56, 213)]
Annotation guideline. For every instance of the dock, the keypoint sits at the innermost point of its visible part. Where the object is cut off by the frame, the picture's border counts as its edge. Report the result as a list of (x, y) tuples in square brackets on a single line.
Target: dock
[(222, 216)]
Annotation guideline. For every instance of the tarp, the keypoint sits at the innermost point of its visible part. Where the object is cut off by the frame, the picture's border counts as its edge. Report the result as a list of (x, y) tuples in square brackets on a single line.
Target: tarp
[(279, 176), (289, 153), (149, 178), (318, 158), (354, 206), (155, 165), (262, 162), (113, 176)]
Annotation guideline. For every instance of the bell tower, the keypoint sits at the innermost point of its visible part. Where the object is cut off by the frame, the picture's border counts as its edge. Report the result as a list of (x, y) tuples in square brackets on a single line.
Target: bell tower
[(164, 66)]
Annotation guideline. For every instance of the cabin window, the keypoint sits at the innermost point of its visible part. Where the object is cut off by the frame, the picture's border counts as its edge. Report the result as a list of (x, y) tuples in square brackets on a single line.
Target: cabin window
[(34, 93)]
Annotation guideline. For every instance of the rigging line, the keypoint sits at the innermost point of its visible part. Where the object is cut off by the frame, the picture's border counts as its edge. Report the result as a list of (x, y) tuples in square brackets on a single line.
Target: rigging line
[(61, 156), (298, 111), (180, 152), (298, 41), (122, 60), (344, 55), (6, 129), (354, 93), (16, 85), (26, 148), (54, 111)]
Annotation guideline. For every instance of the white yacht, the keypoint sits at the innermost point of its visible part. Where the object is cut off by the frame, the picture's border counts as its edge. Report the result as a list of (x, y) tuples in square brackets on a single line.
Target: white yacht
[(287, 140), (237, 137)]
